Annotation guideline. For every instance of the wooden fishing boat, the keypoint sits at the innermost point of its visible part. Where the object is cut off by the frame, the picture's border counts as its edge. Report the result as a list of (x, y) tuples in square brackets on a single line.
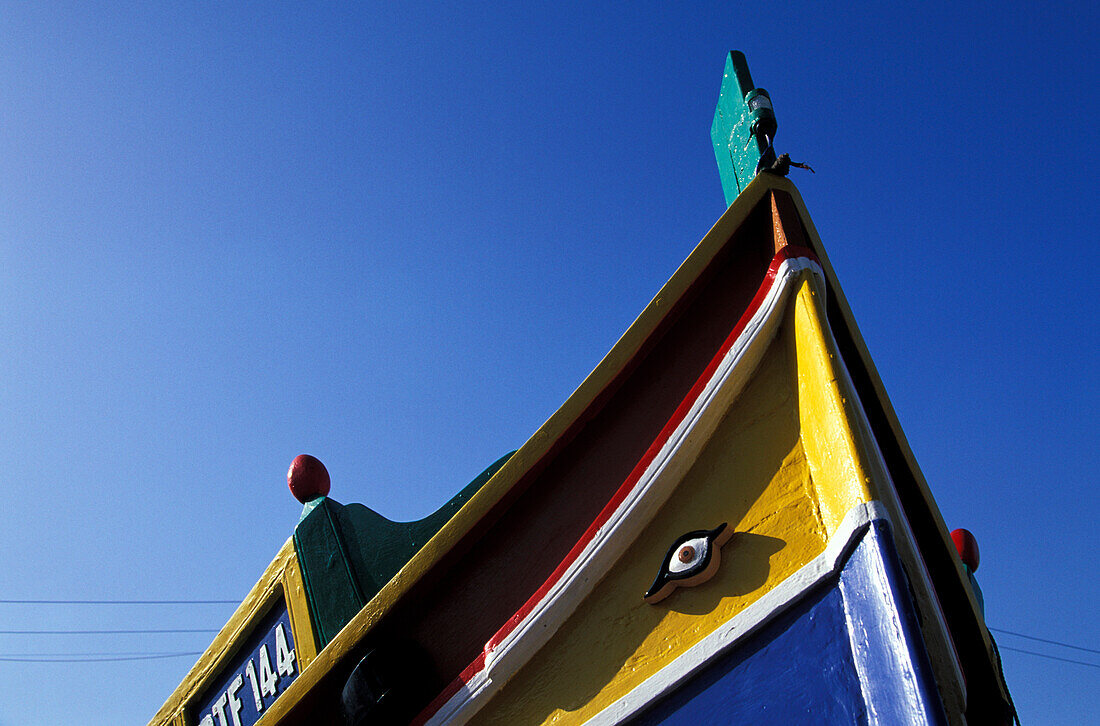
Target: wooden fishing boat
[(723, 523)]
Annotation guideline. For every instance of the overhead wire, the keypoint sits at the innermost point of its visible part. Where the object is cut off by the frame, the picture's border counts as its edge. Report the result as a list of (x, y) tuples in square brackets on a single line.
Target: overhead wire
[(152, 656), (90, 654), (151, 631), (103, 656), (1045, 640), (1051, 657), (107, 657), (117, 602)]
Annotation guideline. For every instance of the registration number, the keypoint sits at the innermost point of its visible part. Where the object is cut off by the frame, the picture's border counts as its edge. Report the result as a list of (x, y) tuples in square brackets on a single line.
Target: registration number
[(262, 671)]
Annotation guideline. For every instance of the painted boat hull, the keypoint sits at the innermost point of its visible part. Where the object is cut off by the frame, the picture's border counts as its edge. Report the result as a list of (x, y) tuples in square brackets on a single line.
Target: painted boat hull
[(743, 396)]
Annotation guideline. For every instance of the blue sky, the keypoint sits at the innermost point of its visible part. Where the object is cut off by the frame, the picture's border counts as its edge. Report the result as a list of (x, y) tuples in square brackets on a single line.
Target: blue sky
[(397, 236)]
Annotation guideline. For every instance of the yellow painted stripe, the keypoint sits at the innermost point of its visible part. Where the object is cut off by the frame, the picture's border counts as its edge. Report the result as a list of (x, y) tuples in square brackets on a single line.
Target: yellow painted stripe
[(297, 604), (848, 320), (837, 463), (940, 645)]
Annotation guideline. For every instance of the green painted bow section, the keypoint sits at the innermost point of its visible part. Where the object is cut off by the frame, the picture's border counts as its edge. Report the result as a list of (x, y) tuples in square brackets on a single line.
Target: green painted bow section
[(743, 124), (348, 552)]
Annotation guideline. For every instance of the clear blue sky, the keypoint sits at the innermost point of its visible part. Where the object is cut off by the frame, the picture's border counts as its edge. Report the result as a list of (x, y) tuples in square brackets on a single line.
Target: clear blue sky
[(397, 235)]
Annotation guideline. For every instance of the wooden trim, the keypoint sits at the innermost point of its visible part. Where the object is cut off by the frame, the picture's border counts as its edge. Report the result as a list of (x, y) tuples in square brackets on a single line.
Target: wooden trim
[(294, 589)]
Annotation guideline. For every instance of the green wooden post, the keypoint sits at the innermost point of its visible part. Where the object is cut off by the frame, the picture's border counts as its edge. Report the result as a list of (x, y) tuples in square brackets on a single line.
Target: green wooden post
[(348, 552), (744, 124), (334, 589)]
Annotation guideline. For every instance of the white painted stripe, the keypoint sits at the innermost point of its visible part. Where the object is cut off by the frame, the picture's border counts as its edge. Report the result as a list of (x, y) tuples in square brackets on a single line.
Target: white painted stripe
[(881, 646), (903, 533), (749, 620), (651, 491)]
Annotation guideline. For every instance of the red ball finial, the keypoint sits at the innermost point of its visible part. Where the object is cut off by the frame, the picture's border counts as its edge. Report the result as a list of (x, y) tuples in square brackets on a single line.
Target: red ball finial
[(307, 478), (967, 545)]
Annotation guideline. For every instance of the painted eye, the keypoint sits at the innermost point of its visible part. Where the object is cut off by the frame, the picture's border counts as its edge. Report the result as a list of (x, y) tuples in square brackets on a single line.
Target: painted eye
[(688, 555), (692, 560)]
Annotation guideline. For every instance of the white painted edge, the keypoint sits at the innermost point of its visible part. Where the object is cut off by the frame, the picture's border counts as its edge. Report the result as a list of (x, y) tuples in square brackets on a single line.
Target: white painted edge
[(651, 491), (902, 531), (903, 695), (770, 605)]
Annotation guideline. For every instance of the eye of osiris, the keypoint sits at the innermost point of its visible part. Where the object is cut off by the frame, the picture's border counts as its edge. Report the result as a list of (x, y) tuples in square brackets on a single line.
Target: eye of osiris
[(692, 560), (688, 555)]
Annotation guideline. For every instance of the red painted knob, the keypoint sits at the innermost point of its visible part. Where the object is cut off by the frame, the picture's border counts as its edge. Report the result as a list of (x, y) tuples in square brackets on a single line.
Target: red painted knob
[(307, 478), (967, 546)]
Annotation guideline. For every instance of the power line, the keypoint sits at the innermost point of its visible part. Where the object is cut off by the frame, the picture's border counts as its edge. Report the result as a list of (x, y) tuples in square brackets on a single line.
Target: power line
[(89, 654), (119, 602), (159, 631), (96, 660), (109, 632), (1051, 657), (1044, 640)]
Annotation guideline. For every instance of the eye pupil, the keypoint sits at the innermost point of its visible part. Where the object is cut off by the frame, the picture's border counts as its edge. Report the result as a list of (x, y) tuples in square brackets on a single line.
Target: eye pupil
[(686, 554)]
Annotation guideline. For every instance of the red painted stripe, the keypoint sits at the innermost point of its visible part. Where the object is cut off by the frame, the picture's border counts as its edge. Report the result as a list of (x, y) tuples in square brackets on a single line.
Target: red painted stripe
[(786, 253), (452, 688)]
